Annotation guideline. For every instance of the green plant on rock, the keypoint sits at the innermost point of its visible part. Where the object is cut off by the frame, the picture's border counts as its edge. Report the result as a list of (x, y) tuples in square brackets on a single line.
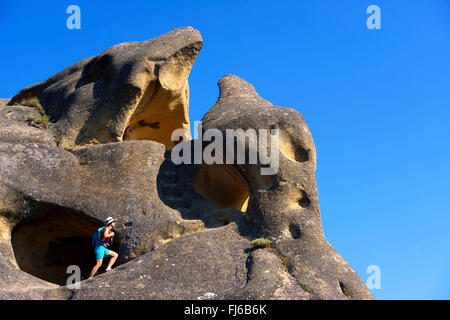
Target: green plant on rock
[(35, 121), (346, 291), (266, 244), (261, 243), (38, 121), (31, 102), (304, 285), (284, 260)]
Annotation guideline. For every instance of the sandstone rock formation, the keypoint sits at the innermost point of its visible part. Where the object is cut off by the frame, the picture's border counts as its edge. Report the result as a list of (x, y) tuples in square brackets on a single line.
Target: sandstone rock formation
[(132, 91), (184, 229)]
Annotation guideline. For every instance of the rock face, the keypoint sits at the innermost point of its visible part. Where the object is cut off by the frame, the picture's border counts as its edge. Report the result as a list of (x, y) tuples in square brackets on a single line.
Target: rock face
[(185, 231), (132, 91)]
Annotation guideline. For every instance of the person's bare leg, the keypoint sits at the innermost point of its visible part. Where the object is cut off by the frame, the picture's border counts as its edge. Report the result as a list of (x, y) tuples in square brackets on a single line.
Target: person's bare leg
[(113, 256), (96, 267)]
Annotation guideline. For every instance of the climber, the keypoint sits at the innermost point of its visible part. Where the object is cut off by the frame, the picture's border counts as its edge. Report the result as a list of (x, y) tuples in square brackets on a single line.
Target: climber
[(101, 240)]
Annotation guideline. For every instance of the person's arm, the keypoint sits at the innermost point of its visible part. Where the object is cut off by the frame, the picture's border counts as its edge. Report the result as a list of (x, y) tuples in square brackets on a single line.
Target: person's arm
[(106, 236), (109, 235)]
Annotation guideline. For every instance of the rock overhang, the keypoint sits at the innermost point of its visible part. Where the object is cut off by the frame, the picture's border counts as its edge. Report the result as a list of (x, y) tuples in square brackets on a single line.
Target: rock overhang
[(132, 91)]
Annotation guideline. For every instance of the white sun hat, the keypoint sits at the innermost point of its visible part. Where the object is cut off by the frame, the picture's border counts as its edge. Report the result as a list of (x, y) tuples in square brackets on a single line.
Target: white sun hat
[(109, 220)]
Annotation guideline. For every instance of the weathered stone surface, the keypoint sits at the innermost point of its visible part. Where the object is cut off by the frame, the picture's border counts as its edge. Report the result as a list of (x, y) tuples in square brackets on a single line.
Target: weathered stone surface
[(44, 184), (268, 278), (285, 206), (184, 231), (18, 132), (211, 261), (132, 91), (16, 284), (15, 126), (18, 113), (3, 102)]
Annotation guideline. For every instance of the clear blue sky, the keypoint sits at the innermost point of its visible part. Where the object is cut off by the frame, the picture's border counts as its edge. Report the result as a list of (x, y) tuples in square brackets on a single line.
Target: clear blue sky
[(377, 103)]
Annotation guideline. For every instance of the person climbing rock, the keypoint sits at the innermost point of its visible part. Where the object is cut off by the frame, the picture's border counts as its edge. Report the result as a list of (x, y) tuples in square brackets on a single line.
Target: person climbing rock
[(101, 240)]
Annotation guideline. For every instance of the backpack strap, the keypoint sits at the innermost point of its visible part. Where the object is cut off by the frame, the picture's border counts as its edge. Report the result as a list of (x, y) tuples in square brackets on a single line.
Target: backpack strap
[(97, 238), (105, 241)]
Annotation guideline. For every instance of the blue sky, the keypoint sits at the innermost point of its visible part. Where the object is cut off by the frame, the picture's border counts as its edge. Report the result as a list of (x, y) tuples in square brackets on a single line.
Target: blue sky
[(377, 103)]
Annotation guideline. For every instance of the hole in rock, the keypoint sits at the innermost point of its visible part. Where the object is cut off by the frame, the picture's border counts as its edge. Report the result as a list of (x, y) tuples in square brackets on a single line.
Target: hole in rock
[(53, 239), (293, 152), (295, 231), (157, 115), (344, 289), (223, 185), (304, 200)]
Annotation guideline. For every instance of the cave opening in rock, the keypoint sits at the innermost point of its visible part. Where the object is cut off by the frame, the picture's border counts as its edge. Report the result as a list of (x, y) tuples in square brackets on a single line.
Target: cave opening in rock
[(52, 239), (159, 113), (223, 185)]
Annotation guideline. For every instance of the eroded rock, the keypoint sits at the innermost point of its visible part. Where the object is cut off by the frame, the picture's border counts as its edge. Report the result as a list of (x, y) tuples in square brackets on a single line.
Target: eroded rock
[(132, 91), (184, 230), (65, 196), (284, 206)]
